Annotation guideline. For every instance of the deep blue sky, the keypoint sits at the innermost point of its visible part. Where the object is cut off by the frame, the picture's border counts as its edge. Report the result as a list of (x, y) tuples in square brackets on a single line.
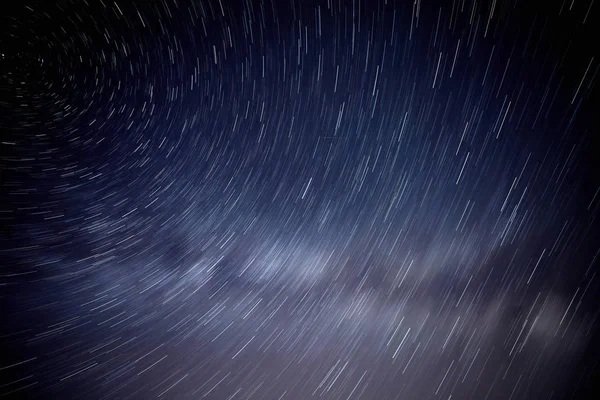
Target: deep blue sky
[(261, 199)]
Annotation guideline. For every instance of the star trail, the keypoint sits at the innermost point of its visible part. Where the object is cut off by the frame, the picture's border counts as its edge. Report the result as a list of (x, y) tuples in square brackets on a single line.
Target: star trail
[(277, 199)]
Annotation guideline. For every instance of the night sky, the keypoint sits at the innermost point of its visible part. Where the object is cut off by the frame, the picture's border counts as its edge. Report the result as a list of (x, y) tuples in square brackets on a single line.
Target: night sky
[(298, 199)]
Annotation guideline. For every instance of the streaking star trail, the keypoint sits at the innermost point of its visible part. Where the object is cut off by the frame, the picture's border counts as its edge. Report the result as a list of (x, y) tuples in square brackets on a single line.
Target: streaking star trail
[(299, 199)]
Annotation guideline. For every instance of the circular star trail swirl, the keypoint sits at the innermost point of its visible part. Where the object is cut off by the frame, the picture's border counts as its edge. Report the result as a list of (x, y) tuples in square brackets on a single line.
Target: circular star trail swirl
[(297, 199)]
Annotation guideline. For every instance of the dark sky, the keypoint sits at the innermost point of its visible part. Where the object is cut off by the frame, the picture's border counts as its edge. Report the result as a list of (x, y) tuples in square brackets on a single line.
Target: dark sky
[(295, 199)]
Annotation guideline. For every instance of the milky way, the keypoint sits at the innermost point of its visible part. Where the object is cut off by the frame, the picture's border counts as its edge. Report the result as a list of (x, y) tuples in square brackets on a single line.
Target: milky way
[(295, 199)]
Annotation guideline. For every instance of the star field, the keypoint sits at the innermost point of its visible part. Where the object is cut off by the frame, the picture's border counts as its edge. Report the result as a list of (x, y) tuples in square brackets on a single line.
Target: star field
[(296, 199)]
